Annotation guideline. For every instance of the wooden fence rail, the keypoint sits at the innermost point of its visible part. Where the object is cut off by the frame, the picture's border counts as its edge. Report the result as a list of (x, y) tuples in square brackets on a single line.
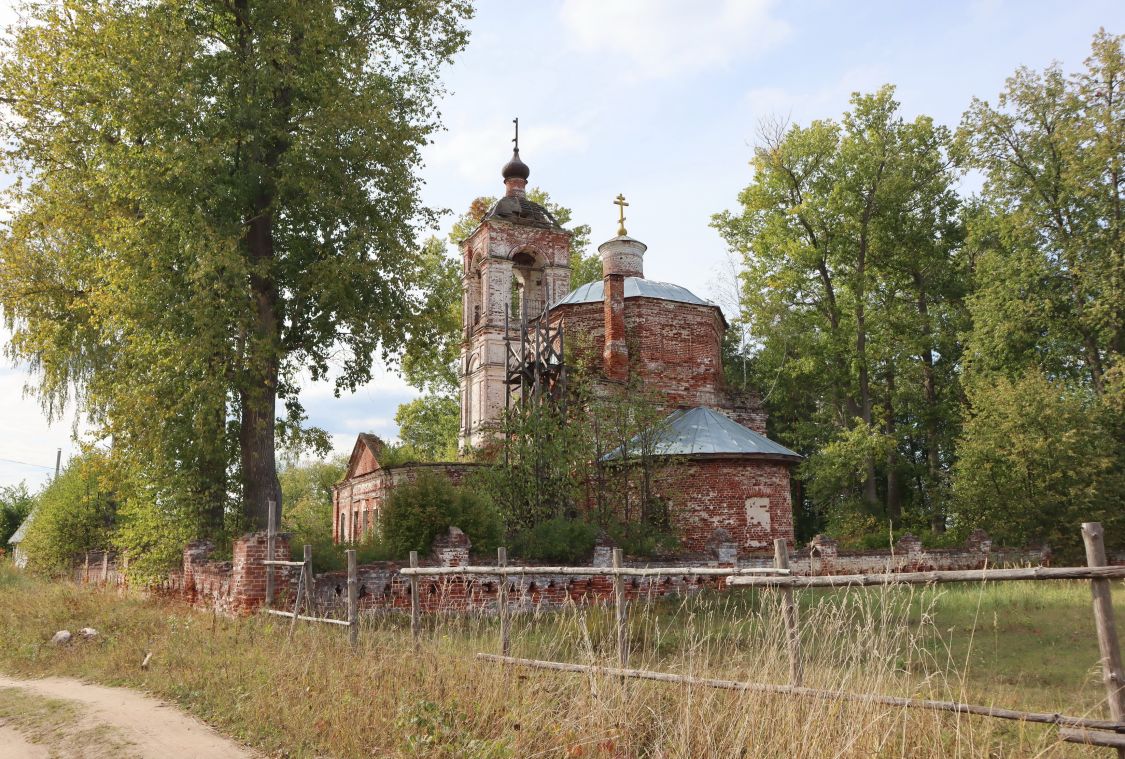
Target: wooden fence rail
[(926, 578), (1049, 718), (1108, 733), (306, 585), (506, 571)]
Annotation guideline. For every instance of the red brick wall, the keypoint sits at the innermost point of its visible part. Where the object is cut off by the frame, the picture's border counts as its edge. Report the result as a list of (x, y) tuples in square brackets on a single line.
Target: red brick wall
[(230, 587), (238, 587), (674, 348), (748, 498), (615, 354)]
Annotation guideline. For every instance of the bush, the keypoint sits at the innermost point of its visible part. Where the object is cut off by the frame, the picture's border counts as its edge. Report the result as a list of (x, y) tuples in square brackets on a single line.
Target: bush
[(566, 540), (417, 513), (74, 514), (643, 539)]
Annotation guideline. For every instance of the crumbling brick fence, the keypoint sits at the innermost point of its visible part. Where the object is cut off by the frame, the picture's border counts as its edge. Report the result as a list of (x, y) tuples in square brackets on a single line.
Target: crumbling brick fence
[(238, 586)]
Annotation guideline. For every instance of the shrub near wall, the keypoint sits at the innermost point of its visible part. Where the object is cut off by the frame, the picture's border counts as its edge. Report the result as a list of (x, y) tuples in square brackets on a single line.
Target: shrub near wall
[(418, 512)]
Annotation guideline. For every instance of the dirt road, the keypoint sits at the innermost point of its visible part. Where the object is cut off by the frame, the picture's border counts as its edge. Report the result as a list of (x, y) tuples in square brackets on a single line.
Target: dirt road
[(139, 725)]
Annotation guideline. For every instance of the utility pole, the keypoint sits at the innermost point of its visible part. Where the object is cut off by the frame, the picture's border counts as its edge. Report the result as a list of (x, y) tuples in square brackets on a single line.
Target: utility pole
[(58, 462)]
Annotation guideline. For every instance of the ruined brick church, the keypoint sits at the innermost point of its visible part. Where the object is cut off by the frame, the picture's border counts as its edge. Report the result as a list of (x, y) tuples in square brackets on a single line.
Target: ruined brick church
[(730, 483)]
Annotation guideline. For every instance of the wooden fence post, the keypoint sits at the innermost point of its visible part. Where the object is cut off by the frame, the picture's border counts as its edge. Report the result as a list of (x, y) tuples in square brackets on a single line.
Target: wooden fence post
[(789, 611), (271, 535), (502, 601), (297, 604), (105, 568), (415, 610), (619, 598), (307, 569), (86, 570), (353, 599), (1112, 672)]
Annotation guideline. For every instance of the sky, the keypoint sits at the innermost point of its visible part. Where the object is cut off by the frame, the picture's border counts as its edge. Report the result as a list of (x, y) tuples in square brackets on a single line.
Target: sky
[(660, 100)]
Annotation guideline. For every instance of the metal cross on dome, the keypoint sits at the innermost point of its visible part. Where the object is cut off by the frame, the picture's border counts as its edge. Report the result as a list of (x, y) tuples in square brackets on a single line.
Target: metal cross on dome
[(620, 203), (516, 139)]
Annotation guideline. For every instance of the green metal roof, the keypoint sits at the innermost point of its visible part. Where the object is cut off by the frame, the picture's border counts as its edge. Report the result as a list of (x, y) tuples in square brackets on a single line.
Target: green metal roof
[(635, 287), (703, 431)]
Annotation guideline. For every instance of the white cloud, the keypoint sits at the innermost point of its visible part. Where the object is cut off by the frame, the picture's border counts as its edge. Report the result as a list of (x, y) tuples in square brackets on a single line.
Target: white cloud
[(477, 154), (383, 380), (665, 37)]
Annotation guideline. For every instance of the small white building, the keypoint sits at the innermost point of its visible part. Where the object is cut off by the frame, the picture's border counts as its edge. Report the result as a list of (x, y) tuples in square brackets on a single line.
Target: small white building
[(19, 555)]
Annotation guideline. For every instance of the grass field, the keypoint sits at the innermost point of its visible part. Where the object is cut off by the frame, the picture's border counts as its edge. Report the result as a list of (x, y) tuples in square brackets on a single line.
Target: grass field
[(1021, 645)]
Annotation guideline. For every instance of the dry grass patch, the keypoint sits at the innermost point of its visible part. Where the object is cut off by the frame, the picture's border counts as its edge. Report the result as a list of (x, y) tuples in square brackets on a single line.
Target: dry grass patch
[(313, 696)]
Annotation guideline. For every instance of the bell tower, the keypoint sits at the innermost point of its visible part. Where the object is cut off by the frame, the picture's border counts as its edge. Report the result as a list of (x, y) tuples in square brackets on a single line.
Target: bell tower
[(516, 261)]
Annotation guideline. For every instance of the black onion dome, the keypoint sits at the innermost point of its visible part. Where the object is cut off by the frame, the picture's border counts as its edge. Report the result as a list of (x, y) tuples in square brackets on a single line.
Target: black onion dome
[(515, 168)]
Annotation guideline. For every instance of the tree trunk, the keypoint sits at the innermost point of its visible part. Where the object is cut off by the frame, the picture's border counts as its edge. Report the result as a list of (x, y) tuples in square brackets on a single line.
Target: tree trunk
[(894, 495), (870, 490), (264, 349), (213, 472), (929, 393), (259, 391)]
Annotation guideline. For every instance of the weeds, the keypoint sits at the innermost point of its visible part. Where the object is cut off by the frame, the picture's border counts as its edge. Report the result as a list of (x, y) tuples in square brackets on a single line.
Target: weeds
[(1027, 645)]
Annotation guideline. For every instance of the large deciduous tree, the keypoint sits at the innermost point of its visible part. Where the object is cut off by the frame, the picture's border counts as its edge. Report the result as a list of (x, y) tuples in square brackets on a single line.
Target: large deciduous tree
[(1044, 445), (848, 235), (1049, 234), (215, 197)]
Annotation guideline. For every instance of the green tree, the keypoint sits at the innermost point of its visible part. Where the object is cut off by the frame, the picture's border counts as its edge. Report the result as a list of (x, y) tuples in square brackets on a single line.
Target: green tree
[(429, 361), (15, 505), (429, 426), (1048, 234), (75, 513), (1037, 459), (1044, 446), (852, 289), (306, 490), (216, 197)]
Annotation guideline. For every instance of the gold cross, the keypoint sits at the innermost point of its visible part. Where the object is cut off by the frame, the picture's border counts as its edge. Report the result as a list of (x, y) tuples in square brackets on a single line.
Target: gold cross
[(620, 203)]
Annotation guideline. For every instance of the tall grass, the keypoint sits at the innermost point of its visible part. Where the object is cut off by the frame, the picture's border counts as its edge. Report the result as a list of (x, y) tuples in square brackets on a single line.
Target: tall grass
[(314, 696)]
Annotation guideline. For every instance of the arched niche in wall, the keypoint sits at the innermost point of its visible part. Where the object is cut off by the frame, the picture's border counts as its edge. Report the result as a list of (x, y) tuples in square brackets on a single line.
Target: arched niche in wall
[(469, 415)]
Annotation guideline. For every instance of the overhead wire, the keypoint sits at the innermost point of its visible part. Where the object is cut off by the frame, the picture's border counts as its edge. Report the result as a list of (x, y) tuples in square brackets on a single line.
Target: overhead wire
[(25, 463)]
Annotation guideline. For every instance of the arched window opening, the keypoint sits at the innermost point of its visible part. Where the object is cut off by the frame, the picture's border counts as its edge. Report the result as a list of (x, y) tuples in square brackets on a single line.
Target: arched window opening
[(528, 276), (515, 299)]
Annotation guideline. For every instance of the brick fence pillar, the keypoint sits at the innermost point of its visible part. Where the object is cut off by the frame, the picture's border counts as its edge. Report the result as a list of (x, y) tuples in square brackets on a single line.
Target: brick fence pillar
[(195, 552), (909, 545), (248, 573)]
